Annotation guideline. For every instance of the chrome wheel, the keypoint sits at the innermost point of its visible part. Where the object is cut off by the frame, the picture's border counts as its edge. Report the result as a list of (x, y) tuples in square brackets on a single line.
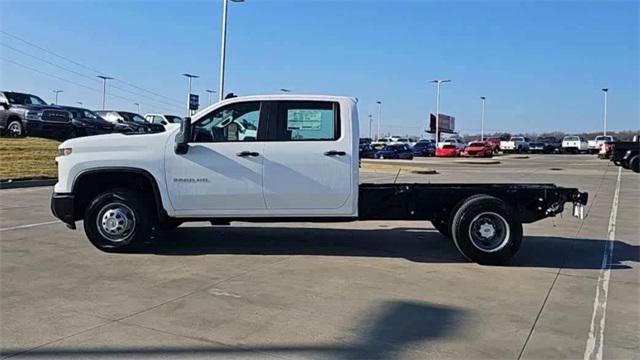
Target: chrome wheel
[(116, 222), (15, 129), (489, 232)]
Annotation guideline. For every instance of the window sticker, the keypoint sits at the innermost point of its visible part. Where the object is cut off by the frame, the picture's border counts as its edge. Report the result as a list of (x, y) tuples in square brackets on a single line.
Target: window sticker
[(304, 119)]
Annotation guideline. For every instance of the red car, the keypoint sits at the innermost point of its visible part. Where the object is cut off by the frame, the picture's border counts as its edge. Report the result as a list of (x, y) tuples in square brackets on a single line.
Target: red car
[(447, 150), (479, 149), (495, 144)]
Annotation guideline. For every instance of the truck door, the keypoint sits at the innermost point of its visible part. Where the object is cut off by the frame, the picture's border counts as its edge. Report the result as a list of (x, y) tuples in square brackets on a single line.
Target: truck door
[(222, 170), (308, 165)]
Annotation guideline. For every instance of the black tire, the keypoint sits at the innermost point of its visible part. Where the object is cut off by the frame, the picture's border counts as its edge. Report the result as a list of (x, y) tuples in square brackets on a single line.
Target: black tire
[(15, 128), (127, 213), (504, 230), (634, 164), (624, 164)]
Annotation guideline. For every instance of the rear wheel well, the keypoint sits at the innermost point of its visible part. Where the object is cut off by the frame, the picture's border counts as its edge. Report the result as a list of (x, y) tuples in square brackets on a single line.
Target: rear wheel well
[(90, 185)]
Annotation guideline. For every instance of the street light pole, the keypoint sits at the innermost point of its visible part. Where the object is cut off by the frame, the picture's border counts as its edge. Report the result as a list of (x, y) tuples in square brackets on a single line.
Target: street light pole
[(138, 106), (438, 82), (606, 100), (379, 118), (104, 88), (210, 92), (190, 77), (482, 119), (223, 46), (57, 92), (370, 121)]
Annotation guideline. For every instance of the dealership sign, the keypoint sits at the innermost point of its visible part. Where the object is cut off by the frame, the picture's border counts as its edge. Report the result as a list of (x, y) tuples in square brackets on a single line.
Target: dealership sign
[(194, 102), (446, 123)]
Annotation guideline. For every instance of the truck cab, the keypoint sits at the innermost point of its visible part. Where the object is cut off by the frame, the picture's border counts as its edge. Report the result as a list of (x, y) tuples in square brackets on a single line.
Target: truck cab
[(301, 165)]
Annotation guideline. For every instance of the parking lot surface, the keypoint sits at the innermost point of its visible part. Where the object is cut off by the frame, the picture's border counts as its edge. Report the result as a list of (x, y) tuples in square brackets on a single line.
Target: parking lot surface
[(365, 290)]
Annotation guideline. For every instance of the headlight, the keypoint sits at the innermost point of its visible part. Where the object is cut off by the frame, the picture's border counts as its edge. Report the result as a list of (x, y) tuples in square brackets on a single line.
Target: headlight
[(64, 151), (33, 115)]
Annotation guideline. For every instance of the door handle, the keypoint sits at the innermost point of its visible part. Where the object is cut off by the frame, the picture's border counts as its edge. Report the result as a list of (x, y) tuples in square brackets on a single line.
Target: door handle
[(335, 153), (248, 153)]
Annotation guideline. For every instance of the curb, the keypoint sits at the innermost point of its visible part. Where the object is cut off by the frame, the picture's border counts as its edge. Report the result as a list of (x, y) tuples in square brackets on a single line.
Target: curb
[(15, 184)]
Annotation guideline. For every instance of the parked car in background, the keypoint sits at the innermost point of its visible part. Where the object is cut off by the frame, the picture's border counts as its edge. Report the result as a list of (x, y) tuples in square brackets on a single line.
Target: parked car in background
[(165, 120), (22, 114), (515, 144), (575, 144), (459, 144), (545, 145), (367, 151), (447, 150), (86, 122), (364, 141), (596, 144), (395, 151), (478, 148), (627, 154), (424, 148), (134, 122), (495, 144)]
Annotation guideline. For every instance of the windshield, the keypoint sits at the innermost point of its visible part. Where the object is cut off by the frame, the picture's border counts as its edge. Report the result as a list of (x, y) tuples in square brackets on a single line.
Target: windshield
[(24, 99), (393, 147), (517, 139), (173, 119), (476, 144), (571, 138), (139, 119)]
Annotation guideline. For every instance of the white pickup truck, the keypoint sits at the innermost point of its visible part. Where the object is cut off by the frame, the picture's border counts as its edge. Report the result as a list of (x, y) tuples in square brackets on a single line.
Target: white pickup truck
[(515, 144), (302, 165), (575, 144)]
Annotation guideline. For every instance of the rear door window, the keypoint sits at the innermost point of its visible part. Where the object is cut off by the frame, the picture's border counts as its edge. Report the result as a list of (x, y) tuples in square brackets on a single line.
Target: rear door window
[(307, 121)]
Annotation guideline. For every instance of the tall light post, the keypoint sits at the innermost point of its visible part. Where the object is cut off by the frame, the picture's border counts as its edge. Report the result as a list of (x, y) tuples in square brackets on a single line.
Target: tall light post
[(370, 122), (379, 118), (606, 100), (223, 45), (138, 107), (57, 92), (190, 77), (482, 119), (438, 82), (104, 88), (209, 96)]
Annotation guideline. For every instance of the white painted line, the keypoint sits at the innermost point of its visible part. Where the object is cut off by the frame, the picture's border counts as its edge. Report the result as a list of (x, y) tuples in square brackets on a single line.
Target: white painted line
[(595, 341), (29, 225)]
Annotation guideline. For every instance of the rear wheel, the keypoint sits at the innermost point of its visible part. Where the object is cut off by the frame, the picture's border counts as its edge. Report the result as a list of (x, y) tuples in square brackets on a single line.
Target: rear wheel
[(486, 230), (118, 220)]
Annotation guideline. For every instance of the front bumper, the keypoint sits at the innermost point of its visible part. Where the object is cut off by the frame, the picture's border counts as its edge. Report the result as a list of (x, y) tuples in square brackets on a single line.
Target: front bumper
[(62, 207), (48, 127)]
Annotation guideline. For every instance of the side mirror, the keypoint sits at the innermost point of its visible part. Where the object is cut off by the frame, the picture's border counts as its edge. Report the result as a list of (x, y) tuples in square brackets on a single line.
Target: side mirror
[(5, 103), (183, 137)]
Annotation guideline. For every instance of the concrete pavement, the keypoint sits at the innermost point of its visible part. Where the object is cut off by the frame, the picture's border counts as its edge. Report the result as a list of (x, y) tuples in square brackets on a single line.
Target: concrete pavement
[(365, 290)]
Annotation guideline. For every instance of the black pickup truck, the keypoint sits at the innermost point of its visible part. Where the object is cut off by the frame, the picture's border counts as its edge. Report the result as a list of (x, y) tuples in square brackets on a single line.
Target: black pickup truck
[(22, 114), (627, 154)]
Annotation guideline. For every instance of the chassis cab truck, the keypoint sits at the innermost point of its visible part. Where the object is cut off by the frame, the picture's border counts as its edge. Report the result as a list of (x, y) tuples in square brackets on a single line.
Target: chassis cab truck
[(300, 164)]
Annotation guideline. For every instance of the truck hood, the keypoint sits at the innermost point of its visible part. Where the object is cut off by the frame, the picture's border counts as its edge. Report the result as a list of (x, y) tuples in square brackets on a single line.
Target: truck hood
[(118, 142)]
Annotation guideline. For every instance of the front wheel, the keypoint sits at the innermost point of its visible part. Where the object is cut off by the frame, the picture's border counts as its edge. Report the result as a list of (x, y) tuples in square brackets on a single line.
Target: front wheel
[(486, 230), (118, 220), (634, 163), (15, 128)]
